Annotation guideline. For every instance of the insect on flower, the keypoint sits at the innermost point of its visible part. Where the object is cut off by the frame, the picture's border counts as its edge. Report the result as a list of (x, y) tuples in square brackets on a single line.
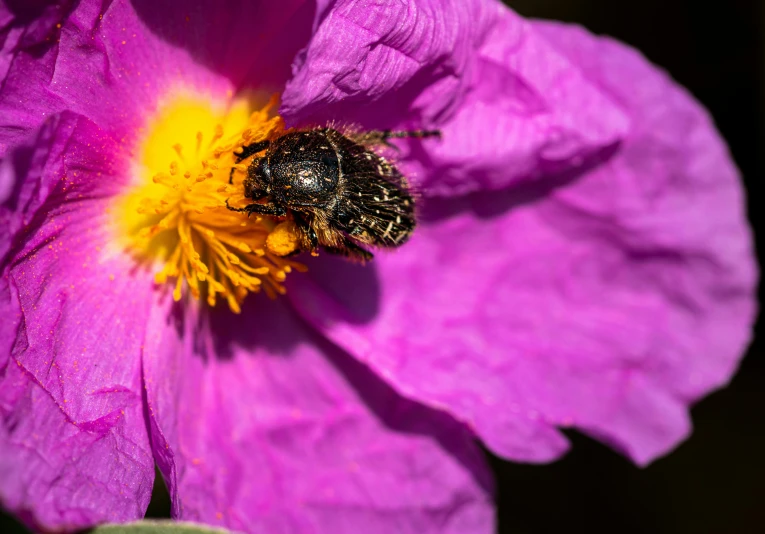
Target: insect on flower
[(341, 194), (570, 275)]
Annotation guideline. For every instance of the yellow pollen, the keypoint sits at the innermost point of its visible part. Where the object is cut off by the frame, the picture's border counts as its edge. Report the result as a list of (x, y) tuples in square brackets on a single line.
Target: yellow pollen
[(283, 239), (175, 213)]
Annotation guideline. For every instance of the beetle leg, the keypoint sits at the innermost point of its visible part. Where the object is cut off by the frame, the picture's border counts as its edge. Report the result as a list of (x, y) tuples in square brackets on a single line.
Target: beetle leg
[(247, 151), (391, 134), (381, 137), (265, 209), (261, 209)]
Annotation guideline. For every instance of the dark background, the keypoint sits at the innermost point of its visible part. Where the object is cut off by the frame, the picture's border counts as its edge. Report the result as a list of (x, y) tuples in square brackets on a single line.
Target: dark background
[(714, 482)]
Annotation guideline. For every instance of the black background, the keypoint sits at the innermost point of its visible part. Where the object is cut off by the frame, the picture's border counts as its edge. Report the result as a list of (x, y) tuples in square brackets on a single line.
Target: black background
[(714, 482)]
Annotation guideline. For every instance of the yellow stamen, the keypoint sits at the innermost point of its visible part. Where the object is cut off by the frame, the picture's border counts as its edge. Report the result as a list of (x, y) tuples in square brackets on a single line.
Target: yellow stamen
[(176, 211)]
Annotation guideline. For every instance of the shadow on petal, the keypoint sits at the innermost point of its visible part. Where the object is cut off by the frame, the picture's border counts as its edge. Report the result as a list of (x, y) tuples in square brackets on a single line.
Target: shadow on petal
[(492, 204), (39, 17), (353, 286), (263, 325), (393, 110)]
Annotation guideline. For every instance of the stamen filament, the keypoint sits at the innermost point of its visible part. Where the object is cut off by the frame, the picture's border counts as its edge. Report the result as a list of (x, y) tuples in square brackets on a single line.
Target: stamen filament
[(180, 216)]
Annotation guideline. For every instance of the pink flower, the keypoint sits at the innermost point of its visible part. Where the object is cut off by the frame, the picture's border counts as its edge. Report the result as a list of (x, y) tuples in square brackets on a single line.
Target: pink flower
[(582, 260)]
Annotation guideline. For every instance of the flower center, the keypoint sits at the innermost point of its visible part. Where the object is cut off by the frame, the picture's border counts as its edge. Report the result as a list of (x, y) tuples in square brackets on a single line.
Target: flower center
[(175, 213)]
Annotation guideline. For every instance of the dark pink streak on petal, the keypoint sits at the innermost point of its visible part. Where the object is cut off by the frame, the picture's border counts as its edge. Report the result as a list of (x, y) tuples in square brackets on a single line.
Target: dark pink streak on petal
[(259, 425), (25, 185), (610, 303), (511, 108), (74, 449)]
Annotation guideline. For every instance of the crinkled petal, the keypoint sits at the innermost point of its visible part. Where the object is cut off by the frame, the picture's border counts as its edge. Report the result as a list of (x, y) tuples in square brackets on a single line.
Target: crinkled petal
[(260, 425), (250, 43), (113, 62), (25, 24), (23, 186), (609, 303), (511, 108), (74, 449)]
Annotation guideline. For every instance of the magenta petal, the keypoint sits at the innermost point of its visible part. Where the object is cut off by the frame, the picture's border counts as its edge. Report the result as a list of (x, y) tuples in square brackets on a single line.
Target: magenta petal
[(74, 449), (510, 107), (259, 425), (106, 65), (610, 303), (114, 62), (251, 43)]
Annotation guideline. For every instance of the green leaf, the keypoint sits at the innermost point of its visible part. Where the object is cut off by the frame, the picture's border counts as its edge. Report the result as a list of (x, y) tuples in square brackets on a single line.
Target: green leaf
[(157, 527)]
